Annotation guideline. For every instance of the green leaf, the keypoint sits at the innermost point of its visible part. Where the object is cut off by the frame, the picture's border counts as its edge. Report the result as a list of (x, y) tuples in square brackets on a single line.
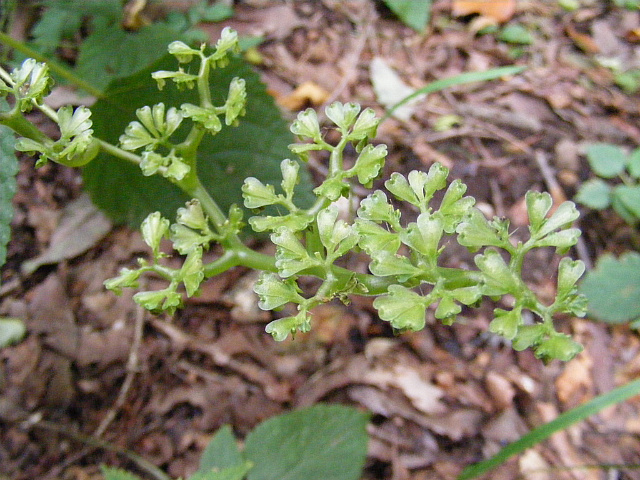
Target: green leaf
[(561, 423), (235, 472), (221, 452), (280, 329), (629, 196), (559, 346), (606, 160), (516, 34), (167, 300), (594, 193), (633, 163), (253, 149), (529, 336), (369, 163), (414, 13), (290, 176), (111, 53), (327, 442), (306, 125), (192, 272), (454, 207), (111, 473), (343, 114), (336, 235), (8, 172), (562, 240), (403, 308), (12, 330), (447, 308), (563, 216), (613, 288), (377, 208), (400, 188), (569, 272), (153, 229), (476, 231), (294, 221), (291, 256), (538, 205), (256, 194), (385, 264)]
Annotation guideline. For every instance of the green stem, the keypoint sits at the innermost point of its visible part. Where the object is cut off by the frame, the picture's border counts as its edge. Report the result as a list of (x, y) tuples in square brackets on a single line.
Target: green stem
[(55, 67), (119, 152), (23, 127)]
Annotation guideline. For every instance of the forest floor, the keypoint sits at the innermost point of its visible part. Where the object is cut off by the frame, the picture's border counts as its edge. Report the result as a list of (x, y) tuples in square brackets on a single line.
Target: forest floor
[(442, 398)]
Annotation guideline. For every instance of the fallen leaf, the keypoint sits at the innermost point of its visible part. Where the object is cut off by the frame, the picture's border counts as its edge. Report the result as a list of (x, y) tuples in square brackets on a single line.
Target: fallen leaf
[(307, 93), (81, 227), (390, 89), (498, 10)]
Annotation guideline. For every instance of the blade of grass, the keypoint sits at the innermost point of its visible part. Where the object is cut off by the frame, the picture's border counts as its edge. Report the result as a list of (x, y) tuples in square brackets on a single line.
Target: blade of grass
[(54, 66), (563, 421), (468, 77)]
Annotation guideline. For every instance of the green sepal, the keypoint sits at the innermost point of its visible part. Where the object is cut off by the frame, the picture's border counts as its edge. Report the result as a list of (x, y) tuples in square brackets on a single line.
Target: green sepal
[(342, 114), (558, 346), (498, 277), (281, 328), (192, 216), (333, 188), (192, 272), (126, 278), (275, 292), (291, 256), (336, 235), (564, 215), (306, 126), (183, 52), (403, 308), (290, 176), (385, 264), (295, 222), (506, 323), (377, 208), (562, 240), (374, 238), (424, 235), (369, 163), (206, 117), (475, 231), (166, 300), (538, 206), (365, 126), (454, 207), (256, 194), (236, 103), (153, 228)]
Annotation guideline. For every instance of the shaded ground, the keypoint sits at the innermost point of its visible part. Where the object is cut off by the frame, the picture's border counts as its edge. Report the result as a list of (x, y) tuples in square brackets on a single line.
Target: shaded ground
[(441, 398)]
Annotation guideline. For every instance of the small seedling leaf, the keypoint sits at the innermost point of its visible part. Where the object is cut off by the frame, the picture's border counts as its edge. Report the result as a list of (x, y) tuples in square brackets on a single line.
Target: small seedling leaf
[(613, 288), (594, 193), (413, 13), (629, 196), (606, 160), (633, 163)]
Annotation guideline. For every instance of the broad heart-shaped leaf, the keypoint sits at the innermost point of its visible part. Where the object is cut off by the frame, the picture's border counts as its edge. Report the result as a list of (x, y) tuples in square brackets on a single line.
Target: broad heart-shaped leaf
[(322, 442), (613, 288), (221, 452), (8, 171), (110, 473), (253, 149), (111, 52), (414, 13)]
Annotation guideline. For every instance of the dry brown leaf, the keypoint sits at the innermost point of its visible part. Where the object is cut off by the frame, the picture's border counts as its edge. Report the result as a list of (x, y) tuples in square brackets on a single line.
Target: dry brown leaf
[(307, 93), (498, 10), (575, 384), (583, 41)]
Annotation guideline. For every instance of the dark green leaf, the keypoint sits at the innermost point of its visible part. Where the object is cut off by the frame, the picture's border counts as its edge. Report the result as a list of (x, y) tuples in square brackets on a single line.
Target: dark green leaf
[(613, 288), (221, 452), (255, 148), (327, 442), (110, 473), (414, 13), (8, 171)]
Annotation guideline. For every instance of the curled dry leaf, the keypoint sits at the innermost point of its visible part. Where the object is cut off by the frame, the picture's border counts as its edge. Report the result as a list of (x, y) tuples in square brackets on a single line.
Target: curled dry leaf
[(498, 10)]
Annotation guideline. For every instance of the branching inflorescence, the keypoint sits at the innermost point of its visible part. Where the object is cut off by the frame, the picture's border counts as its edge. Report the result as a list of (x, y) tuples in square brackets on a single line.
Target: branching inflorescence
[(404, 270)]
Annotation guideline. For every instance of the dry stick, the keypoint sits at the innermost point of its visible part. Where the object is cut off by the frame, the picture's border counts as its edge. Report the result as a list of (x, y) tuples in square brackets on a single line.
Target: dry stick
[(553, 186), (132, 370)]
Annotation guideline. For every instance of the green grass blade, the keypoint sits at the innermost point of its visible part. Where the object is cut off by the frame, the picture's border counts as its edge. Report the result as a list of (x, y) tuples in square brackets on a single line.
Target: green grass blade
[(468, 77), (543, 432)]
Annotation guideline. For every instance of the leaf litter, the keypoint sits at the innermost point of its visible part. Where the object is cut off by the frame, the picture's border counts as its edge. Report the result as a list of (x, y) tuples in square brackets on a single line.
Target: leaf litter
[(442, 398)]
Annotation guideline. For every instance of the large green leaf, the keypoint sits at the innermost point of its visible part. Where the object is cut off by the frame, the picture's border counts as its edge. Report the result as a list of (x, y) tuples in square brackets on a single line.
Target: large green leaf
[(613, 288), (111, 52), (255, 148), (221, 452), (8, 171), (414, 13), (327, 442)]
